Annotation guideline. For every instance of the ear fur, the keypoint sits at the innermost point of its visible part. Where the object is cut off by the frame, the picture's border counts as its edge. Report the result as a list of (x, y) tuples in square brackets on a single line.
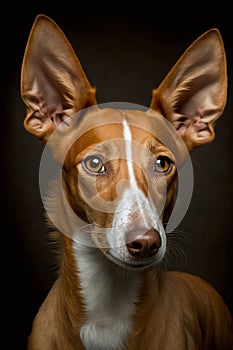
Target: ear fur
[(53, 83), (193, 95)]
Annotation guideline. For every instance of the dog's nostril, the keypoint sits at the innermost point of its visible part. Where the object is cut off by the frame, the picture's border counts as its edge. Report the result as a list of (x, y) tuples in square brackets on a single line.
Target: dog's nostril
[(154, 247), (143, 244), (135, 245)]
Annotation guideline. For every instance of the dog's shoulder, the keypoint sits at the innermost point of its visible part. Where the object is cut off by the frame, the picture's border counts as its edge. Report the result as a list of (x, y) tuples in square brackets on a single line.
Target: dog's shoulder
[(205, 306)]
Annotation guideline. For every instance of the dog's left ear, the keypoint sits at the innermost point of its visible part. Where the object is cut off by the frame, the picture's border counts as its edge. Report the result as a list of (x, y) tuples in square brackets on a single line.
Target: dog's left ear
[(193, 95), (53, 83)]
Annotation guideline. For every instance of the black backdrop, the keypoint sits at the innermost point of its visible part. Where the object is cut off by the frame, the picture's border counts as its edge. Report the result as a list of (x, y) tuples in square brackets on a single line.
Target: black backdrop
[(126, 52)]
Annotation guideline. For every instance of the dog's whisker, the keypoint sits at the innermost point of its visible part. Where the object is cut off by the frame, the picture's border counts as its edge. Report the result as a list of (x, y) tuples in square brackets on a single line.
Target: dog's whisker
[(176, 245), (88, 227), (177, 251)]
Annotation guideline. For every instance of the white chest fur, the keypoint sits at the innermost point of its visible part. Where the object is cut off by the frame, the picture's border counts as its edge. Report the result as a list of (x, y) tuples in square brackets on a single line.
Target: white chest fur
[(109, 294)]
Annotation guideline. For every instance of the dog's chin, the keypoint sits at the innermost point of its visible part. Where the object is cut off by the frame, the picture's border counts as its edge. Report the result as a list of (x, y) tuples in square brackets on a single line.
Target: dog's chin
[(132, 264)]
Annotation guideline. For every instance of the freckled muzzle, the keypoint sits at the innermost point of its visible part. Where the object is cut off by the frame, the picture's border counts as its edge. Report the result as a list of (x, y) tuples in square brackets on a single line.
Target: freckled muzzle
[(137, 237)]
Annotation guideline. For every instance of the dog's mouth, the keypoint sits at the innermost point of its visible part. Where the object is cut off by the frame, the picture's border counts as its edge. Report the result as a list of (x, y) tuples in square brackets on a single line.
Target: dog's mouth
[(131, 263), (142, 249)]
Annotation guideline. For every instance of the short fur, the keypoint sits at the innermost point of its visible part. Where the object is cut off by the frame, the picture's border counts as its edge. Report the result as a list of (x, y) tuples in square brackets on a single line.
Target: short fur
[(112, 294)]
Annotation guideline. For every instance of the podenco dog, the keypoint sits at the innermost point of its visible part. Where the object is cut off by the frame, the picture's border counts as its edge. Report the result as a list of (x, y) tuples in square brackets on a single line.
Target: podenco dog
[(119, 178)]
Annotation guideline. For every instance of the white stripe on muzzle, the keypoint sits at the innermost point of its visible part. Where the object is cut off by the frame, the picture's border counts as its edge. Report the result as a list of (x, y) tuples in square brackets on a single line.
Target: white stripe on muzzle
[(133, 204)]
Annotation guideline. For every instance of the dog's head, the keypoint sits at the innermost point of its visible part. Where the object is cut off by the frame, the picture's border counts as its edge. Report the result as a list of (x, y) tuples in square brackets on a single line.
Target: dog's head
[(120, 164)]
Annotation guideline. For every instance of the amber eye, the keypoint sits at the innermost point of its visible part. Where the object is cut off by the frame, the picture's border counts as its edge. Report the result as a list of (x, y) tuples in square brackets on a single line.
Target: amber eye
[(162, 165), (94, 165)]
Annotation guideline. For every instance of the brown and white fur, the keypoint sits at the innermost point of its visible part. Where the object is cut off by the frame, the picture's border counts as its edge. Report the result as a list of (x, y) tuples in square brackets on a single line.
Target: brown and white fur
[(112, 294)]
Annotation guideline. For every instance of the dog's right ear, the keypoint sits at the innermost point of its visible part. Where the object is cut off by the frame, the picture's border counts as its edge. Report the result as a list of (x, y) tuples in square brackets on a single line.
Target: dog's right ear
[(193, 94), (53, 83)]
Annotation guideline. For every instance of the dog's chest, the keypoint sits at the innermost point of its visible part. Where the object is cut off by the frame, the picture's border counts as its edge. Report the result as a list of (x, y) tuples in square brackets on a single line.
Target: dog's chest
[(109, 294)]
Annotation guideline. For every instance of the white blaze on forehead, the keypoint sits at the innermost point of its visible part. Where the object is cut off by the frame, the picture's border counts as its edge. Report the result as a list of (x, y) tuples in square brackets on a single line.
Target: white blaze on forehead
[(129, 153), (129, 158)]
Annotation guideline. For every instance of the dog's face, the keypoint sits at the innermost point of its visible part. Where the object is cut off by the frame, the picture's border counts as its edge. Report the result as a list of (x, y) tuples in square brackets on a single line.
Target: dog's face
[(120, 178), (120, 165)]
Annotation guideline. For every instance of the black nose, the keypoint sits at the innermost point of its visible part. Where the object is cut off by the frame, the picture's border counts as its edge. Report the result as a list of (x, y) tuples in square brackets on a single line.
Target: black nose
[(143, 244)]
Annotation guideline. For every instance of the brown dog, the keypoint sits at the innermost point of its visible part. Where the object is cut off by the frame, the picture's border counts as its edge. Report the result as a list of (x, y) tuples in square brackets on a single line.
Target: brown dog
[(120, 170)]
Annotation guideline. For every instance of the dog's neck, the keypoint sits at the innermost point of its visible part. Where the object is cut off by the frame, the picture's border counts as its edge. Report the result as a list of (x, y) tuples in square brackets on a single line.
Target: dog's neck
[(109, 294)]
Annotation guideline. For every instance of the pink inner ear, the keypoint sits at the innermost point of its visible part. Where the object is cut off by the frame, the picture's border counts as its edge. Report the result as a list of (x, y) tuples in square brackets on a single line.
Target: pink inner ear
[(195, 127), (53, 83), (193, 95), (199, 113)]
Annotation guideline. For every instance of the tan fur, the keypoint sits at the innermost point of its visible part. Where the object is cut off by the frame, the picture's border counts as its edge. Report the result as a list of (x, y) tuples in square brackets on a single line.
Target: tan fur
[(174, 310), (181, 311), (63, 303)]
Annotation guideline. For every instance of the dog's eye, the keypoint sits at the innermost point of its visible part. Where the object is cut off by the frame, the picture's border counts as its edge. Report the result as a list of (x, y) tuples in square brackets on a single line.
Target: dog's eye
[(162, 165), (94, 165)]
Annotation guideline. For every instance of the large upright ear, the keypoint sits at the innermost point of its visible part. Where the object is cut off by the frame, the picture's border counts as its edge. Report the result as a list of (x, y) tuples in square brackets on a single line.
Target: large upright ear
[(53, 83), (193, 94)]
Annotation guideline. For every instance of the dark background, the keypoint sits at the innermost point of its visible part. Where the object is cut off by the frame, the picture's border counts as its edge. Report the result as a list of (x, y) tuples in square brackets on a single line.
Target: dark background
[(125, 52)]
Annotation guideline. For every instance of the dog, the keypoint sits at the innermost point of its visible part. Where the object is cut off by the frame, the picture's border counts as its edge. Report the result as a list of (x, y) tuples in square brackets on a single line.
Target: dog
[(116, 192)]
